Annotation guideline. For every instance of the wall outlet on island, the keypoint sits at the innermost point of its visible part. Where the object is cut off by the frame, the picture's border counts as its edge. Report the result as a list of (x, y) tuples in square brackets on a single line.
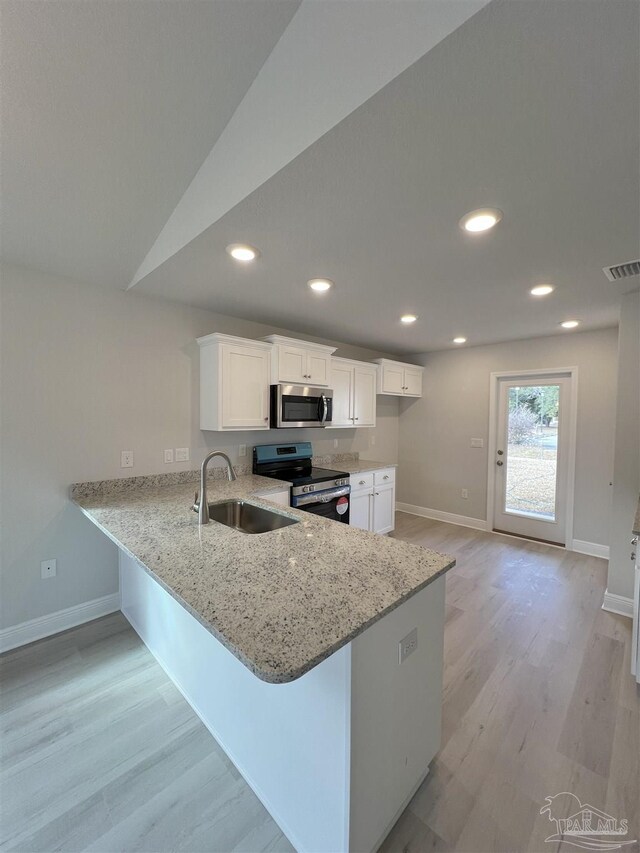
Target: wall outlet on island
[(182, 454), (48, 569), (126, 459), (408, 645)]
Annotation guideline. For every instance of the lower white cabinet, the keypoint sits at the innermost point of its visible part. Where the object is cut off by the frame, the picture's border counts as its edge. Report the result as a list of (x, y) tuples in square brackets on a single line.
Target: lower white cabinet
[(281, 498), (373, 500)]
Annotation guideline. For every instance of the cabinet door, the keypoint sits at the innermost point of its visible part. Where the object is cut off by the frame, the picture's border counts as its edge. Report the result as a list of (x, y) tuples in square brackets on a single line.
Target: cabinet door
[(319, 368), (245, 387), (384, 509), (412, 382), (392, 379), (342, 385), (360, 510), (364, 384), (292, 365)]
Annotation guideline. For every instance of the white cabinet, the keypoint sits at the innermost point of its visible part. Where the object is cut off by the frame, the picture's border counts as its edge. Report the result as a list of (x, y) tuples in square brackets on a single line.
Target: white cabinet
[(281, 498), (234, 383), (299, 362), (398, 379), (360, 510), (354, 393), (373, 500)]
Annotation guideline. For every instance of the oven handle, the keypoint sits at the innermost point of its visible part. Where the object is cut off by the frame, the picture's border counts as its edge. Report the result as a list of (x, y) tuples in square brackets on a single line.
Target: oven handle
[(322, 497)]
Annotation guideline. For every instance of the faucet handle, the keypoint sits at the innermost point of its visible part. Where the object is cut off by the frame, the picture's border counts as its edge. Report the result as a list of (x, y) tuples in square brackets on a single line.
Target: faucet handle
[(196, 505)]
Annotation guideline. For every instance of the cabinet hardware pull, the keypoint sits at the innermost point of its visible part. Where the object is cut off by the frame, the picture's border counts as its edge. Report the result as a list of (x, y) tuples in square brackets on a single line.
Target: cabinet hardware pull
[(362, 482), (386, 477)]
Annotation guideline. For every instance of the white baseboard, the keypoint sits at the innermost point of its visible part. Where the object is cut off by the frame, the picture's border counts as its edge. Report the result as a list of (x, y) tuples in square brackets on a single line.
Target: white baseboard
[(61, 620), (439, 515), (619, 604), (592, 549)]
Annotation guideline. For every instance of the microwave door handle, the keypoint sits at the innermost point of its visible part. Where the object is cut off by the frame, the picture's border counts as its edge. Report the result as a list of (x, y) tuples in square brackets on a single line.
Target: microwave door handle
[(325, 409)]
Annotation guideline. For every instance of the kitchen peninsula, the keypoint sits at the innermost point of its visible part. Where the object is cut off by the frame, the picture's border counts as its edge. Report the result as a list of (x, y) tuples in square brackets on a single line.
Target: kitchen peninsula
[(287, 645)]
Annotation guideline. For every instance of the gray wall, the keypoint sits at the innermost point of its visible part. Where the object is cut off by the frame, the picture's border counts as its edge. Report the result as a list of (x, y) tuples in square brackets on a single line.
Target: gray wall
[(436, 461), (626, 469), (85, 374)]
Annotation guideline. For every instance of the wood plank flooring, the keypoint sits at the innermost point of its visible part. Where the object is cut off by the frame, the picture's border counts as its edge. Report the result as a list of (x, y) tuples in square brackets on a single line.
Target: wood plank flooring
[(100, 752)]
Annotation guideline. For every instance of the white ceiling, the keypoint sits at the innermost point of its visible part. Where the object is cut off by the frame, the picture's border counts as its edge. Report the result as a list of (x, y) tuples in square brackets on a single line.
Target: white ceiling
[(530, 106), (108, 110)]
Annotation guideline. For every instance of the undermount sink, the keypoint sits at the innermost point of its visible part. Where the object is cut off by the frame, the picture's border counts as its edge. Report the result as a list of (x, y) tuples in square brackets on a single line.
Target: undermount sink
[(248, 518)]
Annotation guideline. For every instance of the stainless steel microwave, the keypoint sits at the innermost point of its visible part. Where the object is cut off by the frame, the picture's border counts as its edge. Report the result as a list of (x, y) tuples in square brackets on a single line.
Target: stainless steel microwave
[(300, 406)]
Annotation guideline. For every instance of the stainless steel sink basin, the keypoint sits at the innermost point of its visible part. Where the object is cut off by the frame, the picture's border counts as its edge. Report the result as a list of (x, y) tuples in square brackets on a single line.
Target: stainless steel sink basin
[(248, 518)]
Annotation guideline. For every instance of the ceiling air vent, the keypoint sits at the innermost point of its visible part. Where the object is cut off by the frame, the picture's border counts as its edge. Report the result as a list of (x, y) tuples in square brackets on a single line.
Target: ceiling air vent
[(618, 271)]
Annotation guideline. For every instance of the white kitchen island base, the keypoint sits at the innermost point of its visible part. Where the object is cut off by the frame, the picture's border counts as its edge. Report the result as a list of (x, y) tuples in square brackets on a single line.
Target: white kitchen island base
[(335, 755)]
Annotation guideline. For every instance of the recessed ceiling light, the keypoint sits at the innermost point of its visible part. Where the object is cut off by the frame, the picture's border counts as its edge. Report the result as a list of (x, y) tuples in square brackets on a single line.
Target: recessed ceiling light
[(542, 290), (460, 340), (570, 324), (407, 319), (242, 252), (320, 285), (481, 220)]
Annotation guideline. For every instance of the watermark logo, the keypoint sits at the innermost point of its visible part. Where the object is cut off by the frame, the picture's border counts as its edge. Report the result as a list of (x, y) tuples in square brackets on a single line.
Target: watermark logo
[(583, 825)]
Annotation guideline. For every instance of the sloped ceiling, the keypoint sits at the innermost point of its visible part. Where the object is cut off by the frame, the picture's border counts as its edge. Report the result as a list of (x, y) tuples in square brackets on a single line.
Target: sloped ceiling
[(140, 138)]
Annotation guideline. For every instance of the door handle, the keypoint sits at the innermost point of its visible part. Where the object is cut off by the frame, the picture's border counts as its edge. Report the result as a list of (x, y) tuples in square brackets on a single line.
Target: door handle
[(499, 462)]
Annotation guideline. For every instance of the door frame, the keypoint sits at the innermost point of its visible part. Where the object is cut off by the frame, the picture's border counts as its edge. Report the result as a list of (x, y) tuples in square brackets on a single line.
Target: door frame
[(494, 388)]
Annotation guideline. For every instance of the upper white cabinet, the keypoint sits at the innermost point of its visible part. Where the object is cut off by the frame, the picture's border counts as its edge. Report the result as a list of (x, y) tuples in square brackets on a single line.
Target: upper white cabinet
[(354, 393), (299, 362), (234, 383), (401, 380)]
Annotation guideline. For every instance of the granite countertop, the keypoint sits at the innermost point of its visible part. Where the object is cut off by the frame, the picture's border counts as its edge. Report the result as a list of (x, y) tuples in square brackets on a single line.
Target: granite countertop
[(281, 601), (359, 466), (636, 523)]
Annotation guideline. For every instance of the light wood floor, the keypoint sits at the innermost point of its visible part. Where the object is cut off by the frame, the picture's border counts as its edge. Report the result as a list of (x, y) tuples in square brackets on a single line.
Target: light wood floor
[(100, 752)]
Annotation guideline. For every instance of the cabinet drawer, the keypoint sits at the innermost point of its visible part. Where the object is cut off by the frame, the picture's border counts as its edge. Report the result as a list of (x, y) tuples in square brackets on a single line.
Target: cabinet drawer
[(385, 477), (361, 481)]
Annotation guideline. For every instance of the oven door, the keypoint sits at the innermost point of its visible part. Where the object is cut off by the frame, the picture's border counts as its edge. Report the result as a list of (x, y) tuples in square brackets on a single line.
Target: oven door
[(294, 406), (332, 503)]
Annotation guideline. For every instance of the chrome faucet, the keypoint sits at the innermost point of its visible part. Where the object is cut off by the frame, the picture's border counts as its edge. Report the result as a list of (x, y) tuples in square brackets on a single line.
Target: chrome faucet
[(202, 506)]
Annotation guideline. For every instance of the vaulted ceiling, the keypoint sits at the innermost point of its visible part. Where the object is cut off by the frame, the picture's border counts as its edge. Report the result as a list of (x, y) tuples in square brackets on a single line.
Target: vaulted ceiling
[(343, 140)]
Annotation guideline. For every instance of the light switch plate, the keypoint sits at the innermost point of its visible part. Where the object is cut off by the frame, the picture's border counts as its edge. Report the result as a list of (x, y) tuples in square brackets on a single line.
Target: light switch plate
[(182, 454), (477, 442)]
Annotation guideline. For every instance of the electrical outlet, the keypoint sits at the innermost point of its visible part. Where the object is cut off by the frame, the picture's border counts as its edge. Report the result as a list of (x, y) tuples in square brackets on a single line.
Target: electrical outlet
[(168, 456), (335, 443), (465, 493), (242, 450), (182, 454), (408, 645), (48, 569), (373, 440), (126, 459), (477, 442)]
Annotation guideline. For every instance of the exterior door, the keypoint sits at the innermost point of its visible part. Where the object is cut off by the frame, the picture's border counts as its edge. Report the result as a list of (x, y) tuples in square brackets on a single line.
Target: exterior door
[(532, 457)]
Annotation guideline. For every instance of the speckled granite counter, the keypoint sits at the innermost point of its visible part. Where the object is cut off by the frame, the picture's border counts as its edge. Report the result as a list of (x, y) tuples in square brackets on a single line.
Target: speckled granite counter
[(361, 465), (636, 523), (282, 601)]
